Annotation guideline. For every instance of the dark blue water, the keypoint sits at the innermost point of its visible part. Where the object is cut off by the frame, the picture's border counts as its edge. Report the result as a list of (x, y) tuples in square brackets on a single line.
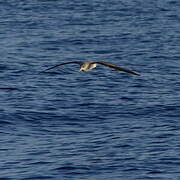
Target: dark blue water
[(103, 124)]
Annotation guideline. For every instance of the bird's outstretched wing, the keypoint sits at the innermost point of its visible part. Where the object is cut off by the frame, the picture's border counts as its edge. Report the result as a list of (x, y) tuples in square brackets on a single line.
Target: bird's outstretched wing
[(72, 62), (117, 67)]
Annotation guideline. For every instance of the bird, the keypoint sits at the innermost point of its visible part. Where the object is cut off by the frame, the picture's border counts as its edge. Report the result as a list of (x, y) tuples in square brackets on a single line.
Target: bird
[(89, 65)]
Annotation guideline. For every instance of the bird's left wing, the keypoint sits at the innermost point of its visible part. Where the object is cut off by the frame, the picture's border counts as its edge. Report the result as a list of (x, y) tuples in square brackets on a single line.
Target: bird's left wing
[(116, 67)]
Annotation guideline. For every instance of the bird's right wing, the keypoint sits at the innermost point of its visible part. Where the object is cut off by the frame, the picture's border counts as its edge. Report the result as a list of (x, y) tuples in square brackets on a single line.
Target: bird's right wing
[(72, 62)]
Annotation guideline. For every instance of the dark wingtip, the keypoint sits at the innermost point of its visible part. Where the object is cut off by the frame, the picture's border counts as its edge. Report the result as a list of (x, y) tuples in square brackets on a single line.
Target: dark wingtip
[(43, 71), (137, 74)]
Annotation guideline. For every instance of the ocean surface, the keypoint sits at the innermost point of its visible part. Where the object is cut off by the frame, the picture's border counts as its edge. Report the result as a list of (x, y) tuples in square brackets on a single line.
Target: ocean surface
[(97, 125)]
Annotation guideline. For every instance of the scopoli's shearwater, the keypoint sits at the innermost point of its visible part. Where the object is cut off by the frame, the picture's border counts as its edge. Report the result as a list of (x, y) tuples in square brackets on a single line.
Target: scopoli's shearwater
[(88, 65)]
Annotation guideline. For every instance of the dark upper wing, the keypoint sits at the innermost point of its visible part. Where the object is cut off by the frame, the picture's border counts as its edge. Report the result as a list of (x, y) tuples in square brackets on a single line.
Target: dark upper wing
[(72, 62), (116, 67)]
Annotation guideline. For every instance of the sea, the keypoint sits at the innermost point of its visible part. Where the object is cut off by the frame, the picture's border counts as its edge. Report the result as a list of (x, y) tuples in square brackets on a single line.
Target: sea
[(103, 124)]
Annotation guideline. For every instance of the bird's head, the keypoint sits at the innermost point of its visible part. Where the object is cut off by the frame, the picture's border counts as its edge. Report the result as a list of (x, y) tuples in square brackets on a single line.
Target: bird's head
[(82, 68), (86, 66)]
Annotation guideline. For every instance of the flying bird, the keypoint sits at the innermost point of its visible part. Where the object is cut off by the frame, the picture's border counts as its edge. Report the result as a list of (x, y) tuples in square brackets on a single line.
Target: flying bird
[(89, 65)]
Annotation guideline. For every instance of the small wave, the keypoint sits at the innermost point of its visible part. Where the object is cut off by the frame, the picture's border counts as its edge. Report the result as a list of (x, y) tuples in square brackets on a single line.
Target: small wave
[(2, 122), (72, 168), (9, 89), (38, 177), (4, 178)]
